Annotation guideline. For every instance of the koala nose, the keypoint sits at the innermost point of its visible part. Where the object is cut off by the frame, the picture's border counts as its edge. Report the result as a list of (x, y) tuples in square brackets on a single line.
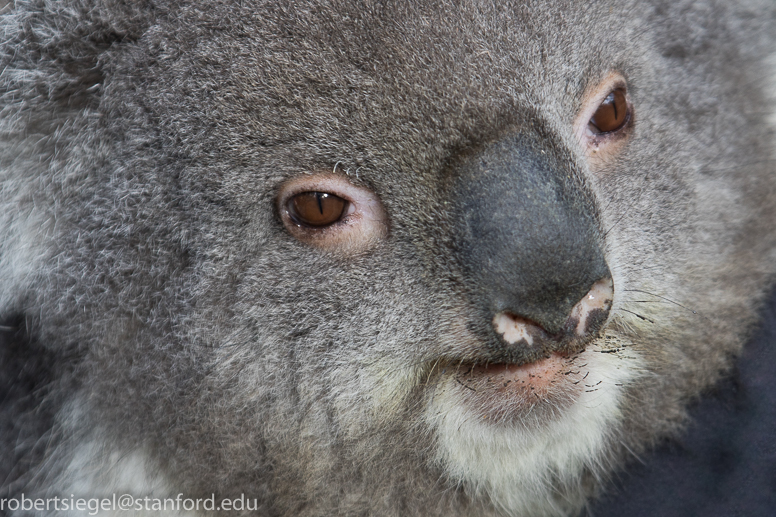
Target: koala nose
[(528, 238), (585, 320)]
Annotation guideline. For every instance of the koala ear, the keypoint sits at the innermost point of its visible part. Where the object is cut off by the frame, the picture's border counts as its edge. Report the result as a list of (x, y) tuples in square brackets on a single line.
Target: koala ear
[(53, 62), (55, 51)]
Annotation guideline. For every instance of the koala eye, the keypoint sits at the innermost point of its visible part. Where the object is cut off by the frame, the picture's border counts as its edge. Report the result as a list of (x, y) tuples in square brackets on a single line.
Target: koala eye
[(612, 114), (316, 209), (329, 212)]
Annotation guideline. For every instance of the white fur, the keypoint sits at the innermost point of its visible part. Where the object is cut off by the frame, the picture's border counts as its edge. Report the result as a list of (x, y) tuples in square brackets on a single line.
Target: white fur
[(516, 465), (99, 469)]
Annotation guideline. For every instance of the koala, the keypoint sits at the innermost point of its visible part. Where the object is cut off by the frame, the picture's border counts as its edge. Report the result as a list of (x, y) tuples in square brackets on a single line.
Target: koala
[(457, 258)]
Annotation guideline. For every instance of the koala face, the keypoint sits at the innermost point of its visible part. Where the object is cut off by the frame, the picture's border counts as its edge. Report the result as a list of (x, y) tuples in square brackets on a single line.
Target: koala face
[(439, 258)]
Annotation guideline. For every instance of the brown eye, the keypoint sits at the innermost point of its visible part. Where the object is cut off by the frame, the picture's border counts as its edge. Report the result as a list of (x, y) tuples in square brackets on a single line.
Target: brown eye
[(316, 208), (612, 114)]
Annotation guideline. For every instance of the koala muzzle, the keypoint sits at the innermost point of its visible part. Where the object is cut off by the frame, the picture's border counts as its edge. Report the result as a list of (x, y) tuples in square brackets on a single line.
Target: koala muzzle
[(529, 243)]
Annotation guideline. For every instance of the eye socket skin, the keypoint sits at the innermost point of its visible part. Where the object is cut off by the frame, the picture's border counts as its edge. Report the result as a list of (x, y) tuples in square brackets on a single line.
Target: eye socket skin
[(605, 120), (328, 212), (612, 114), (316, 209)]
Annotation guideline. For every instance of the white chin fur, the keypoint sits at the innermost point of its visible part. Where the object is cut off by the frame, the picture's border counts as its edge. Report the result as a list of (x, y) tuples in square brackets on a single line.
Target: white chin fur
[(533, 469)]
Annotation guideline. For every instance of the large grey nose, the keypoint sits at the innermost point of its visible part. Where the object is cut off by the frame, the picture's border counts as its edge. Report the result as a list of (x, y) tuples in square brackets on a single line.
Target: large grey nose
[(528, 237)]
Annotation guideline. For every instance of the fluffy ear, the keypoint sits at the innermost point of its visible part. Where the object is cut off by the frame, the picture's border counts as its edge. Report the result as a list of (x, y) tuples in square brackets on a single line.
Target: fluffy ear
[(54, 59), (55, 51)]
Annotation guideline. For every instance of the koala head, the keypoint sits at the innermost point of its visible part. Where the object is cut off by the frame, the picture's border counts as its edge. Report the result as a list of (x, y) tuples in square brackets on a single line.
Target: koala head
[(384, 258)]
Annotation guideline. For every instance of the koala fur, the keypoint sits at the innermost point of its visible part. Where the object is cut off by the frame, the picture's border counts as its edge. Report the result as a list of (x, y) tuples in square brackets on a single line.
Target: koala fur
[(163, 332)]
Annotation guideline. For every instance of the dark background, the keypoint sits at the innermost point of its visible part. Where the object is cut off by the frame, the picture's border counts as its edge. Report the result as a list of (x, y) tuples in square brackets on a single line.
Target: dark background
[(725, 464)]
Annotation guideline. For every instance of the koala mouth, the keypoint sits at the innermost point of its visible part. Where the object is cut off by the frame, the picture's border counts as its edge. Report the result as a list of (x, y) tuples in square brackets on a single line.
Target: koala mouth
[(544, 374), (534, 376), (535, 392)]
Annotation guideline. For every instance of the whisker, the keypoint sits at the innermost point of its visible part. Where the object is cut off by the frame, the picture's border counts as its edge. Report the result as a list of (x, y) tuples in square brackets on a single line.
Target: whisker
[(661, 297), (636, 314), (624, 212)]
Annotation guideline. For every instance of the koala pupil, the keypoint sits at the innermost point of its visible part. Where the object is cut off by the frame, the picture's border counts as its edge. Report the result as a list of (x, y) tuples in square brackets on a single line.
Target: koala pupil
[(317, 208)]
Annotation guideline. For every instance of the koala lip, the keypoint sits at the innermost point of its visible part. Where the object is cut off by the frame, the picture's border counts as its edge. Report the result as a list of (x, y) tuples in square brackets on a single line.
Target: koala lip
[(536, 375), (503, 392)]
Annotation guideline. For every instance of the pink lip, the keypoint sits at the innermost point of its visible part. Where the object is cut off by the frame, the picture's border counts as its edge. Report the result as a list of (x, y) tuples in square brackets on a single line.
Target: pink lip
[(538, 375), (502, 392)]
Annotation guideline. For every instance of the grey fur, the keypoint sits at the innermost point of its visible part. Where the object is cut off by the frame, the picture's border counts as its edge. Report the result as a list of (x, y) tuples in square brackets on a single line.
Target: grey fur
[(158, 309)]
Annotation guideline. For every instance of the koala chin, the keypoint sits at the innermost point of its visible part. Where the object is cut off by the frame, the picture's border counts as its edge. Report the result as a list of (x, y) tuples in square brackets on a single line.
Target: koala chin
[(371, 258)]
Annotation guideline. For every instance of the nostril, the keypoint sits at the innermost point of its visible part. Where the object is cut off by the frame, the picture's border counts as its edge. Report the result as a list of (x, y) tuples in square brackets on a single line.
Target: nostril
[(515, 329), (590, 313), (585, 319)]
